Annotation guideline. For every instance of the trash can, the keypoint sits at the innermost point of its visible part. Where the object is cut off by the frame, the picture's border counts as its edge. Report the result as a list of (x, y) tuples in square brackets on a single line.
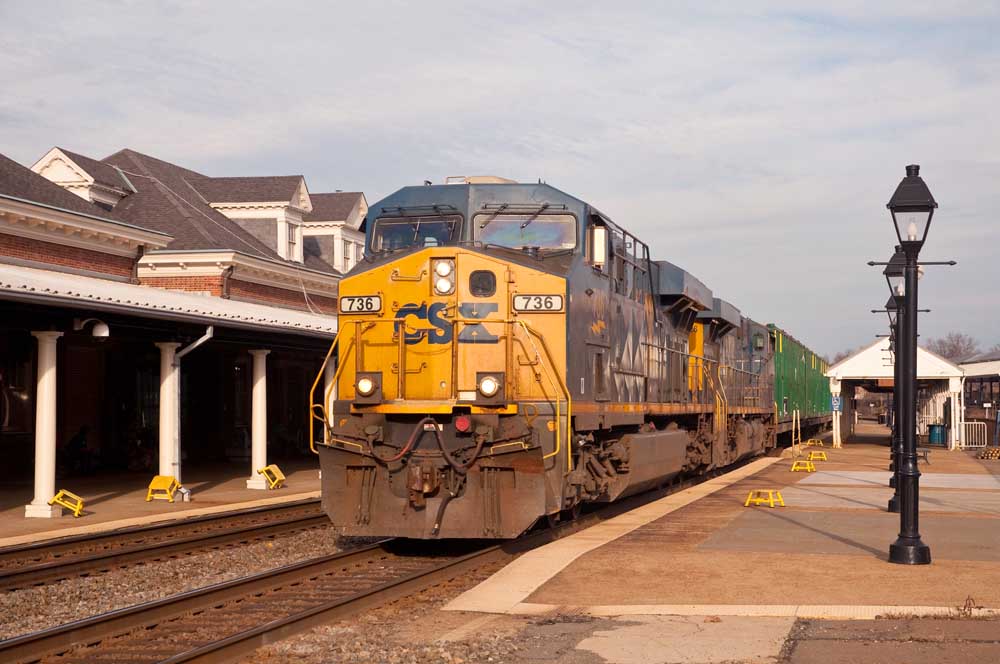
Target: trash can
[(936, 434)]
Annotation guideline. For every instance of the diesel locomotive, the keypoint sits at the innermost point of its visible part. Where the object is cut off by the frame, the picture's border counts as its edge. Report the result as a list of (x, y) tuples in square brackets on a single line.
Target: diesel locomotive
[(507, 353)]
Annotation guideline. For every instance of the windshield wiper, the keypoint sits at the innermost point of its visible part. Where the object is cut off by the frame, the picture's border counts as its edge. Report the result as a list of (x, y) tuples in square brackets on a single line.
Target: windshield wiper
[(534, 216), (493, 216)]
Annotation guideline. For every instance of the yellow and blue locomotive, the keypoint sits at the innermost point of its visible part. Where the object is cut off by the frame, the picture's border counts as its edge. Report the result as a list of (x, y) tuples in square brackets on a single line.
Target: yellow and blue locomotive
[(507, 353)]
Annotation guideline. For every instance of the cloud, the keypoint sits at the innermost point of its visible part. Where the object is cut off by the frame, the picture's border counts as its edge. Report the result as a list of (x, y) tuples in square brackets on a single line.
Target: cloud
[(755, 145)]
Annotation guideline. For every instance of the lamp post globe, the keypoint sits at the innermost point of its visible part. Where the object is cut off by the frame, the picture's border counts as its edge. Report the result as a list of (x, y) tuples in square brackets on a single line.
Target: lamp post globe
[(895, 273), (912, 207)]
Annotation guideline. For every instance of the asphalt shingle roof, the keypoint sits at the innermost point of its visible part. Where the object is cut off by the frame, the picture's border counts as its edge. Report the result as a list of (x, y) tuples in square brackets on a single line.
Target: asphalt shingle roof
[(104, 174), (167, 201), (332, 207), (21, 182), (248, 189)]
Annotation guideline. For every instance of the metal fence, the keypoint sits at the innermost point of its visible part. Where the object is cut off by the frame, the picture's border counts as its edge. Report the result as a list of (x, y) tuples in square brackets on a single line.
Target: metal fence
[(974, 434)]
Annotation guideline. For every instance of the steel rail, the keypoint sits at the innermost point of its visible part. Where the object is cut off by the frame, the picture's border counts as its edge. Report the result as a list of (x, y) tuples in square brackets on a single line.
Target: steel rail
[(240, 596), (60, 639), (75, 556)]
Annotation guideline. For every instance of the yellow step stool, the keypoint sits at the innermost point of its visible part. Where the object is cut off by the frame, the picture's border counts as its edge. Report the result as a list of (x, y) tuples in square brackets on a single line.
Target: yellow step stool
[(275, 478), (163, 487), (806, 466), (817, 455), (815, 442), (764, 496), (69, 500)]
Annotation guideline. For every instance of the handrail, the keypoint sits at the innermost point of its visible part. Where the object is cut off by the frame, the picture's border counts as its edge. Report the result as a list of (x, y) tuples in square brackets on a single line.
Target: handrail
[(569, 398), (555, 380), (312, 393)]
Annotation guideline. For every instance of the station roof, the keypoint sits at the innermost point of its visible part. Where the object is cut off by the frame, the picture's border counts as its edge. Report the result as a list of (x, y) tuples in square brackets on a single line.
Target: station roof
[(27, 284), (873, 363)]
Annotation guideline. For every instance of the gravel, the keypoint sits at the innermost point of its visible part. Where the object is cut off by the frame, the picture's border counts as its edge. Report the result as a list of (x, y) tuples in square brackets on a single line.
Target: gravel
[(32, 609), (404, 632)]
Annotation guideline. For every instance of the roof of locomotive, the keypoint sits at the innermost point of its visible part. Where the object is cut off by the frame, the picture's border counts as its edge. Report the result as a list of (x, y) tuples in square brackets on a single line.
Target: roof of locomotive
[(469, 198), (677, 282)]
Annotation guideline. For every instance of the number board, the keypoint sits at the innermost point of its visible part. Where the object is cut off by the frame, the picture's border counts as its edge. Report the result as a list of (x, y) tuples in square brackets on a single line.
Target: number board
[(362, 304), (538, 302)]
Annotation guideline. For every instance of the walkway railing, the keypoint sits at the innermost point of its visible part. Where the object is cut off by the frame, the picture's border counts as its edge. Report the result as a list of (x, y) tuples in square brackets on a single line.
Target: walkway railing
[(974, 435)]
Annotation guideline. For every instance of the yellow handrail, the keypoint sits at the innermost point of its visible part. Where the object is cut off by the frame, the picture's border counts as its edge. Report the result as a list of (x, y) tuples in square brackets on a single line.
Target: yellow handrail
[(312, 393), (566, 393), (555, 380)]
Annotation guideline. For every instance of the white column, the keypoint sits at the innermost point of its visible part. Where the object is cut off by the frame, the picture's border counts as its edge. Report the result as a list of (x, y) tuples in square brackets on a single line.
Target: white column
[(837, 441), (45, 428), (956, 421), (331, 389), (169, 410), (282, 228), (258, 419)]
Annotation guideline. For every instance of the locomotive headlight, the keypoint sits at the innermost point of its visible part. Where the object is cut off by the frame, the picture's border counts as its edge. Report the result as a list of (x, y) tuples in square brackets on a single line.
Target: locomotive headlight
[(366, 386), (444, 276), (444, 285), (489, 386), (443, 268)]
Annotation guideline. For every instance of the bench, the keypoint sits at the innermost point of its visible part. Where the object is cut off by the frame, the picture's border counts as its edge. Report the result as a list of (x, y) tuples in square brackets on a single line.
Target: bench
[(925, 453)]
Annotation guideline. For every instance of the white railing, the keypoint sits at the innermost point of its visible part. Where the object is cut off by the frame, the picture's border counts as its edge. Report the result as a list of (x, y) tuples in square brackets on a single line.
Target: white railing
[(974, 434)]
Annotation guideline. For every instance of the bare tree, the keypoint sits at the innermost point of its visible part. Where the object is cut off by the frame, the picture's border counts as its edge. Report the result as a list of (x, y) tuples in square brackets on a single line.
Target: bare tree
[(843, 355), (954, 346)]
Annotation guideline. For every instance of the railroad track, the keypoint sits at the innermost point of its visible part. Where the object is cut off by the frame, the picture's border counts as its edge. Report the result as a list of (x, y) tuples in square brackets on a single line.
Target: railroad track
[(53, 560), (230, 620)]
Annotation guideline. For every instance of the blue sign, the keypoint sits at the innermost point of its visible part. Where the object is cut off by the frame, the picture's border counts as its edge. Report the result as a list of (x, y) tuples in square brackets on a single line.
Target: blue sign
[(836, 405)]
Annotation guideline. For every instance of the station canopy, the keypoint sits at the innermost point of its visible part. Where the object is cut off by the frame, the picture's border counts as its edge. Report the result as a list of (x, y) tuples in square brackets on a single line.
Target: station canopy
[(872, 368), (25, 284)]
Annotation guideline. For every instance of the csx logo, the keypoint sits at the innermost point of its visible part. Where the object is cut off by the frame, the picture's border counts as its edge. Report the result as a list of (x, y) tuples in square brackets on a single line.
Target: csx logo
[(441, 330)]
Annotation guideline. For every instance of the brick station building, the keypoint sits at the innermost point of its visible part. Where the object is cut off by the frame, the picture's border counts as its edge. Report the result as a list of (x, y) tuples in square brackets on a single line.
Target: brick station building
[(152, 317)]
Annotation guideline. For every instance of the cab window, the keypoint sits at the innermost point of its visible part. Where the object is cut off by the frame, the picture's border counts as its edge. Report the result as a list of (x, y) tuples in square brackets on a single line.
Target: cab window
[(546, 232), (391, 233)]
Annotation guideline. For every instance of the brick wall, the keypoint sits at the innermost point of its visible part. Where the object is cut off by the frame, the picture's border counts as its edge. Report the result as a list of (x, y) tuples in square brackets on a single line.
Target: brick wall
[(58, 254), (211, 285), (282, 297)]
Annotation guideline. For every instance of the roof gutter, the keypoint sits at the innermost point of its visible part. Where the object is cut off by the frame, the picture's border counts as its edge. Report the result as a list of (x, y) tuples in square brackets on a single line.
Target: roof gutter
[(73, 303)]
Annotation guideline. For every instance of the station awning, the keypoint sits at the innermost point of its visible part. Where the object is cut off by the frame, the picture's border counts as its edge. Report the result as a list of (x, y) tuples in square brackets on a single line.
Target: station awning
[(25, 284)]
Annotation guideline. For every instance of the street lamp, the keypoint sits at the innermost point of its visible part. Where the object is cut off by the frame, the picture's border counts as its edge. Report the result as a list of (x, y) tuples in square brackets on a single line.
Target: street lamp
[(892, 309), (912, 208)]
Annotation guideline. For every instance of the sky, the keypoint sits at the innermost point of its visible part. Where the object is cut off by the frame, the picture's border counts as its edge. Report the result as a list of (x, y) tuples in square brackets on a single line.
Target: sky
[(754, 144)]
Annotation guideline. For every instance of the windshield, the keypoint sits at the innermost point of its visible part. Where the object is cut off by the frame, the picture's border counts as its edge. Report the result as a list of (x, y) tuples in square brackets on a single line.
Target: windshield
[(520, 231), (392, 233)]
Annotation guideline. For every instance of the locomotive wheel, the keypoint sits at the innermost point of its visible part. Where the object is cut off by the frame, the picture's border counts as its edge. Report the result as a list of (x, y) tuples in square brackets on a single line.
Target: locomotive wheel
[(553, 519)]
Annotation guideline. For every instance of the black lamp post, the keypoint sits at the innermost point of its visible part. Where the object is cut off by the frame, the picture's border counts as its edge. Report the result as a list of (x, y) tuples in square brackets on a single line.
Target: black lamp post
[(892, 308), (912, 208)]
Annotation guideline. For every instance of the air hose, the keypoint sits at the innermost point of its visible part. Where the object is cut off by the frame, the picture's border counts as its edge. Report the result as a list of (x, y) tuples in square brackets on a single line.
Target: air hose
[(418, 429)]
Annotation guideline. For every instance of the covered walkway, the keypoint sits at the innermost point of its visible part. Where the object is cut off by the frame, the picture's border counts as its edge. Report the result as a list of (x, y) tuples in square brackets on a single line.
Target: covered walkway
[(112, 377), (939, 384)]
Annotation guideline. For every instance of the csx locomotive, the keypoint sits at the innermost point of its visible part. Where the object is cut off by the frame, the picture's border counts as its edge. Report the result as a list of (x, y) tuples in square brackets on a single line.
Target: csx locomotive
[(507, 353)]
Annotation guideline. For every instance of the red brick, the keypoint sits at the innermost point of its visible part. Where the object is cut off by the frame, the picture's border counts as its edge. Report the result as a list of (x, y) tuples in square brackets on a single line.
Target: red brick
[(282, 297), (58, 254), (211, 285)]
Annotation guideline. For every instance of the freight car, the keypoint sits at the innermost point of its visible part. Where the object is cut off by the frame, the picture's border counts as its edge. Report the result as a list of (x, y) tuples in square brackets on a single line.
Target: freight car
[(507, 353), (800, 383)]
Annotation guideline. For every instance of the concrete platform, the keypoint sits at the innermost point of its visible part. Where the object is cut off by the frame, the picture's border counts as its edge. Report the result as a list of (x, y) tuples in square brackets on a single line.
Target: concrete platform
[(701, 552), (118, 500)]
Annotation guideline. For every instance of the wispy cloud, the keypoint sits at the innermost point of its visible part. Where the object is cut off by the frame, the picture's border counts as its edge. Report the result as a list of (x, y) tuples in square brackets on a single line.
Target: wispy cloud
[(755, 145)]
